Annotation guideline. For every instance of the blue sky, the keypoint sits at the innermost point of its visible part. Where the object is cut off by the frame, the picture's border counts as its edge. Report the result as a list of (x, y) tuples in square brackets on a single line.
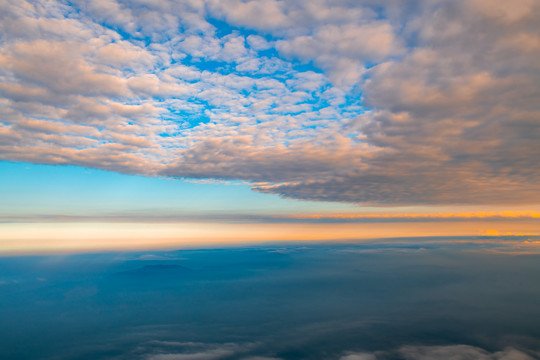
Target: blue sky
[(30, 189)]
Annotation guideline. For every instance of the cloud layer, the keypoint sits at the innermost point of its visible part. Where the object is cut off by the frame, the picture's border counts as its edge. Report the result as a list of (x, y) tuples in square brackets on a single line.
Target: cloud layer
[(380, 300), (449, 352), (421, 102)]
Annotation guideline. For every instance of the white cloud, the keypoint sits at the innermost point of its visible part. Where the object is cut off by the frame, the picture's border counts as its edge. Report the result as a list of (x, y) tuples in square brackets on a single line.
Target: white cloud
[(359, 356), (343, 50), (172, 350), (460, 352), (448, 352), (258, 43)]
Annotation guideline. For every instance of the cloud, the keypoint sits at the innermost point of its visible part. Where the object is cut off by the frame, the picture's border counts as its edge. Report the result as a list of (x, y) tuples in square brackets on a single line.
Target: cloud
[(460, 352), (497, 217), (172, 350), (379, 103), (408, 352), (448, 352), (342, 51), (258, 43), (450, 116), (205, 355), (359, 356)]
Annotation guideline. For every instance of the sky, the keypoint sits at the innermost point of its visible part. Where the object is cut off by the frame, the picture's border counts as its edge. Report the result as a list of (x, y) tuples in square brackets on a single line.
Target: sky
[(151, 124)]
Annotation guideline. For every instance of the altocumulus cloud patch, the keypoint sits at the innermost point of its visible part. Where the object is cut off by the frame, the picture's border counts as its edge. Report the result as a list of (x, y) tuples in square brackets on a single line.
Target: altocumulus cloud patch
[(416, 102)]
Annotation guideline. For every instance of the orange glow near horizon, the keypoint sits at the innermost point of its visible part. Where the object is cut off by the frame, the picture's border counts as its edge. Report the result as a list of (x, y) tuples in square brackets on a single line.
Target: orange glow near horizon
[(458, 215), (26, 238)]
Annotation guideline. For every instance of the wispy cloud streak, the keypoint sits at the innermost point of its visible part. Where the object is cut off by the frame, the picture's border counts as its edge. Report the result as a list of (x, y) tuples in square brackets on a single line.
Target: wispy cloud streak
[(307, 218)]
